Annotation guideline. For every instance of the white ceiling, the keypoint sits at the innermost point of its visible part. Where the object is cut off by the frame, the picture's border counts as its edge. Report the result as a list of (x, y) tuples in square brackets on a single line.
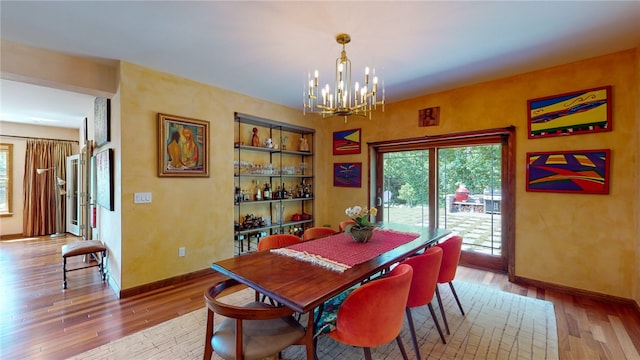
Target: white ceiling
[(265, 49)]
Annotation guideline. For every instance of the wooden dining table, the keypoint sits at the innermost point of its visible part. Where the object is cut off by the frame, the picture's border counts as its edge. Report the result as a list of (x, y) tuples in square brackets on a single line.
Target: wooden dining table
[(304, 285)]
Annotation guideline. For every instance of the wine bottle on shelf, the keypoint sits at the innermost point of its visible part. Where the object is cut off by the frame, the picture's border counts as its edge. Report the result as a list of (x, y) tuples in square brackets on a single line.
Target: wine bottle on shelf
[(266, 194), (258, 193)]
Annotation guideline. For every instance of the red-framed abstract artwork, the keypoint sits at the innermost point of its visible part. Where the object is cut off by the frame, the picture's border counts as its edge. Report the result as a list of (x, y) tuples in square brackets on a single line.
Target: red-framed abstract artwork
[(580, 112), (575, 171), (347, 174), (347, 142)]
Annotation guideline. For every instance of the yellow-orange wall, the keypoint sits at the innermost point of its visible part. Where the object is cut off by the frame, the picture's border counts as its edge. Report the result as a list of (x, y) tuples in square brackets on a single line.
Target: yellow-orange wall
[(195, 213), (583, 241)]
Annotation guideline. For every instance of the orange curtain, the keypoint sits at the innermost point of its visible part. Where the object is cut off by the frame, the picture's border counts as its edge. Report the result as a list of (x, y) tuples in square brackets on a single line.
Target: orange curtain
[(39, 213)]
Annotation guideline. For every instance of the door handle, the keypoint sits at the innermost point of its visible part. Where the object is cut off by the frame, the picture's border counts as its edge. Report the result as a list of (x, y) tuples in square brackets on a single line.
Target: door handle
[(378, 201)]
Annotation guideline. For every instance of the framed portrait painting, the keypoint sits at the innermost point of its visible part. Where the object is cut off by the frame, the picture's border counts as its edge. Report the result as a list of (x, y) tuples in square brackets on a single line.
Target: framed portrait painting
[(183, 147), (104, 179), (429, 116), (102, 121), (347, 142), (583, 172), (347, 174), (574, 113)]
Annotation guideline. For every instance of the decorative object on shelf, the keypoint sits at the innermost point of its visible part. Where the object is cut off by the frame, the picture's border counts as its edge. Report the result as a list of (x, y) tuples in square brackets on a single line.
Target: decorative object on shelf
[(347, 142), (575, 171), (255, 139), (304, 144), (278, 210), (429, 116), (268, 143), (284, 142), (362, 230), (345, 99), (580, 112), (347, 174), (183, 147), (102, 120)]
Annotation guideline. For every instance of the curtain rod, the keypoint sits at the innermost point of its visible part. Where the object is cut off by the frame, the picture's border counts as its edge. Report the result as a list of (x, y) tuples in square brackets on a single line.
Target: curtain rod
[(38, 138)]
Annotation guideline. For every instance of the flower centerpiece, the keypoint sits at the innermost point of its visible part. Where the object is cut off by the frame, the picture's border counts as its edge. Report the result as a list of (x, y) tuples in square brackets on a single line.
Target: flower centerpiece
[(362, 230)]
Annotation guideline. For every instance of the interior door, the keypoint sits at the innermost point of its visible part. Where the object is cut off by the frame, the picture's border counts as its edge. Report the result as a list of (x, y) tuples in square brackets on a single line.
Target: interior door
[(72, 188)]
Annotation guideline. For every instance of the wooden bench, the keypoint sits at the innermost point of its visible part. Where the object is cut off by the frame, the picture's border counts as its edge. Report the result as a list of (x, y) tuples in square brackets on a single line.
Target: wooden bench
[(93, 248)]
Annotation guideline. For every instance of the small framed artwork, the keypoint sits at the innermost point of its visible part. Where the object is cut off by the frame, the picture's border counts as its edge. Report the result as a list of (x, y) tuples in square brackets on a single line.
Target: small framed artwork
[(582, 172), (102, 121), (85, 127), (579, 112), (347, 142), (347, 174), (429, 116), (104, 178), (183, 147)]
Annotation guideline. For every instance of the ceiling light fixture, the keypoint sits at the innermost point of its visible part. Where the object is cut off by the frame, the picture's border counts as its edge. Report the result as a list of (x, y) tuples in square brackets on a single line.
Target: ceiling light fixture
[(345, 99)]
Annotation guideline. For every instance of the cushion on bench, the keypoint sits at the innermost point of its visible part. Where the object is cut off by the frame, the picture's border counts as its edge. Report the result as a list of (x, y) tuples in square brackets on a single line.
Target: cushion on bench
[(82, 247)]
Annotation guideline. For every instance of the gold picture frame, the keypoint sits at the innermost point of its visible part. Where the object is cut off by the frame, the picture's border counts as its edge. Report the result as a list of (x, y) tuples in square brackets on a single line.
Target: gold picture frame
[(183, 146)]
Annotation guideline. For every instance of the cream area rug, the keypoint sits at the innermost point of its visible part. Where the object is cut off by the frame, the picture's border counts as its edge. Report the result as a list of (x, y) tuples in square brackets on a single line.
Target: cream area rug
[(497, 325)]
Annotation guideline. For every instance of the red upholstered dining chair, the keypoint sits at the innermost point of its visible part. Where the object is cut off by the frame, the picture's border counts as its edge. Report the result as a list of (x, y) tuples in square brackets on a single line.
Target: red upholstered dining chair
[(451, 249), (317, 232), (372, 314), (342, 226), (277, 241), (252, 331), (423, 288), (273, 242)]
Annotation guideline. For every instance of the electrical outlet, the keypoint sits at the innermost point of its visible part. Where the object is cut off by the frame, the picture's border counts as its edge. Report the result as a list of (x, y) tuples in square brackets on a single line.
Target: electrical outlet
[(182, 251)]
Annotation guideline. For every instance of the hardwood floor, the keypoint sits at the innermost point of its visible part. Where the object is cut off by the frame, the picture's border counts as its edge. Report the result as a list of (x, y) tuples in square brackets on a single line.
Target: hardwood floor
[(39, 320)]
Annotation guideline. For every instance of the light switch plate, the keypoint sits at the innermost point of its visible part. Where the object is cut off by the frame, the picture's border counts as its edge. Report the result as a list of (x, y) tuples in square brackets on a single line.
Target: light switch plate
[(142, 198)]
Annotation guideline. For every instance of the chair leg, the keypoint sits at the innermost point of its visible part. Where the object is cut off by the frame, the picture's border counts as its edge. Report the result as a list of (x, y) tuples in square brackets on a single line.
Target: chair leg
[(401, 346), (435, 320), (367, 353), (103, 259), (455, 295), (444, 316), (64, 272), (208, 348), (413, 333)]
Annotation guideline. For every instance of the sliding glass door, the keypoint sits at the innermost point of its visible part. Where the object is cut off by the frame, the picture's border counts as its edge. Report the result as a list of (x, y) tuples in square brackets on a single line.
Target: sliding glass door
[(457, 183), (469, 196)]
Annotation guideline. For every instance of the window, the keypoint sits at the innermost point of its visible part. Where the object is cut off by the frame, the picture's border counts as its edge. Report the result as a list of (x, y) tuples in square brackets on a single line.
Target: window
[(6, 161)]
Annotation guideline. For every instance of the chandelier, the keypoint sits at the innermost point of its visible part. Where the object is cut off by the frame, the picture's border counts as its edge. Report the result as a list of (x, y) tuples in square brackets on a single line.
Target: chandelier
[(346, 98)]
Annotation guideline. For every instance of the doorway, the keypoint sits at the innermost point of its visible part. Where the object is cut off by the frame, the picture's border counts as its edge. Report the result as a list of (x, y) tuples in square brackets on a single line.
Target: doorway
[(73, 198), (462, 182)]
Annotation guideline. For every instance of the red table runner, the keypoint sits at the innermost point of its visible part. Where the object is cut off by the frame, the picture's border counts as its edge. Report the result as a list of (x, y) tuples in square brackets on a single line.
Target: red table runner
[(340, 252)]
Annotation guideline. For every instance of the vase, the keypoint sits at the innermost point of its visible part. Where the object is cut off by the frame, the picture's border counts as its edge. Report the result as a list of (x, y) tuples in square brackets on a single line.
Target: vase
[(361, 234)]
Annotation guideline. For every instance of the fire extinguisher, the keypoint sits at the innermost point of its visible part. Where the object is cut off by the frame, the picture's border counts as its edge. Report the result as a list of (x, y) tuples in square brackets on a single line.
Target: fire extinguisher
[(93, 216)]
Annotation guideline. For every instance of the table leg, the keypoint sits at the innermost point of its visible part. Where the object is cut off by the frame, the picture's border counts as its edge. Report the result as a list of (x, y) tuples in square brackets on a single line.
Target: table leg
[(309, 342)]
